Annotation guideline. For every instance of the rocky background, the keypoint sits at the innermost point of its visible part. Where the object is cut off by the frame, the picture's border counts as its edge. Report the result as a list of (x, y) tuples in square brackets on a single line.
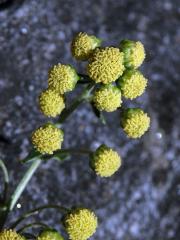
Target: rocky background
[(141, 201)]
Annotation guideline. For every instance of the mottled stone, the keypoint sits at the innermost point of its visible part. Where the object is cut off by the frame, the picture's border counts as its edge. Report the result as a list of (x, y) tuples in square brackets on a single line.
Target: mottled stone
[(141, 201)]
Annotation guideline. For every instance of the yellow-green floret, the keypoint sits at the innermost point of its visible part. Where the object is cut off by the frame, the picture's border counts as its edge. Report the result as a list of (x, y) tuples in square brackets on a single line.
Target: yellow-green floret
[(132, 84), (83, 45), (47, 139), (106, 65), (80, 224), (135, 122), (107, 98), (134, 53), (105, 161), (50, 235), (10, 235), (51, 103), (62, 78)]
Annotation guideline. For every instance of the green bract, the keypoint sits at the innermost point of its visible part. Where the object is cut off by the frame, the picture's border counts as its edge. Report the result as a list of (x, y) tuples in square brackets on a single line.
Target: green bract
[(50, 235), (83, 45), (134, 53)]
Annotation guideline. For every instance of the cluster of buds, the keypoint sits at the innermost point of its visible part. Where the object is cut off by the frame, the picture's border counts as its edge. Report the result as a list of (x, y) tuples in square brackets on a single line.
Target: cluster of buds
[(112, 71)]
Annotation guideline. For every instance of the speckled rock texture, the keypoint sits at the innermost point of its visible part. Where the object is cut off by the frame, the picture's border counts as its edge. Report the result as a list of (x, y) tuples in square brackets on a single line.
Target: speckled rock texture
[(141, 201)]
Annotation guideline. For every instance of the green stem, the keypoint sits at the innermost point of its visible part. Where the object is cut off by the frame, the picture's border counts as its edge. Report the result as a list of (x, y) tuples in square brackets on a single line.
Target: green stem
[(5, 172), (3, 208), (36, 211), (6, 180), (23, 183), (67, 112), (76, 151), (83, 97), (35, 224)]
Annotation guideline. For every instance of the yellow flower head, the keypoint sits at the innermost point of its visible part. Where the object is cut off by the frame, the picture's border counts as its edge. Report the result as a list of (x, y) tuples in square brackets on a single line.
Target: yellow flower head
[(132, 84), (105, 161), (106, 65), (107, 98), (51, 103), (47, 139), (50, 235), (134, 53), (62, 78), (80, 224), (83, 45), (135, 122), (10, 235)]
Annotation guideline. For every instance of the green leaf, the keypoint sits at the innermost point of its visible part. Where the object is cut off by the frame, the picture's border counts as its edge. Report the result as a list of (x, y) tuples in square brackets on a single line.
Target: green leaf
[(60, 156), (31, 156)]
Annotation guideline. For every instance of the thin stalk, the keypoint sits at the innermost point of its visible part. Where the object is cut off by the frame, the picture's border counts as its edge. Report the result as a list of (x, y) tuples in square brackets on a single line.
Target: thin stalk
[(83, 97), (36, 211), (76, 151), (23, 183), (67, 112), (5, 172), (35, 224), (3, 209), (6, 180)]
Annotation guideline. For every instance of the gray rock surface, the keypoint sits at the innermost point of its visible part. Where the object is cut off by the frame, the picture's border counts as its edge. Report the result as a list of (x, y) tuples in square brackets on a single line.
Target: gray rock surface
[(141, 201)]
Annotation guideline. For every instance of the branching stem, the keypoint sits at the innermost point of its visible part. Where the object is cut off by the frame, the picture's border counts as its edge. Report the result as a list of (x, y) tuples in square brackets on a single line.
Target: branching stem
[(36, 211)]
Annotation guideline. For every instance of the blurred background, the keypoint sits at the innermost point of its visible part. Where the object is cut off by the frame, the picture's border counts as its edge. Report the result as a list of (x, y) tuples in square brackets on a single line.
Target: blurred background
[(141, 201)]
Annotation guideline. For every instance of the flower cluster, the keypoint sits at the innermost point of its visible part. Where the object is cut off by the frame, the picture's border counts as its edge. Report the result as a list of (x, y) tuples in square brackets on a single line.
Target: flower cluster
[(105, 161), (106, 65), (107, 98), (114, 71), (47, 138), (112, 75), (83, 45), (132, 84), (135, 122), (80, 224)]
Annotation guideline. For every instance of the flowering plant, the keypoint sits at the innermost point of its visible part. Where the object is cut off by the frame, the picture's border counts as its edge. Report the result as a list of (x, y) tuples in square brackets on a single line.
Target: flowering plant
[(111, 76)]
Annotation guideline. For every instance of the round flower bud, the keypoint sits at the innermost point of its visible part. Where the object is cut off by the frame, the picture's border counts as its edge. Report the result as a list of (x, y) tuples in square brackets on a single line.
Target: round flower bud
[(10, 235), (47, 139), (132, 84), (134, 53), (51, 103), (106, 65), (83, 45), (107, 98), (105, 161), (62, 78), (80, 224), (135, 122), (50, 235)]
